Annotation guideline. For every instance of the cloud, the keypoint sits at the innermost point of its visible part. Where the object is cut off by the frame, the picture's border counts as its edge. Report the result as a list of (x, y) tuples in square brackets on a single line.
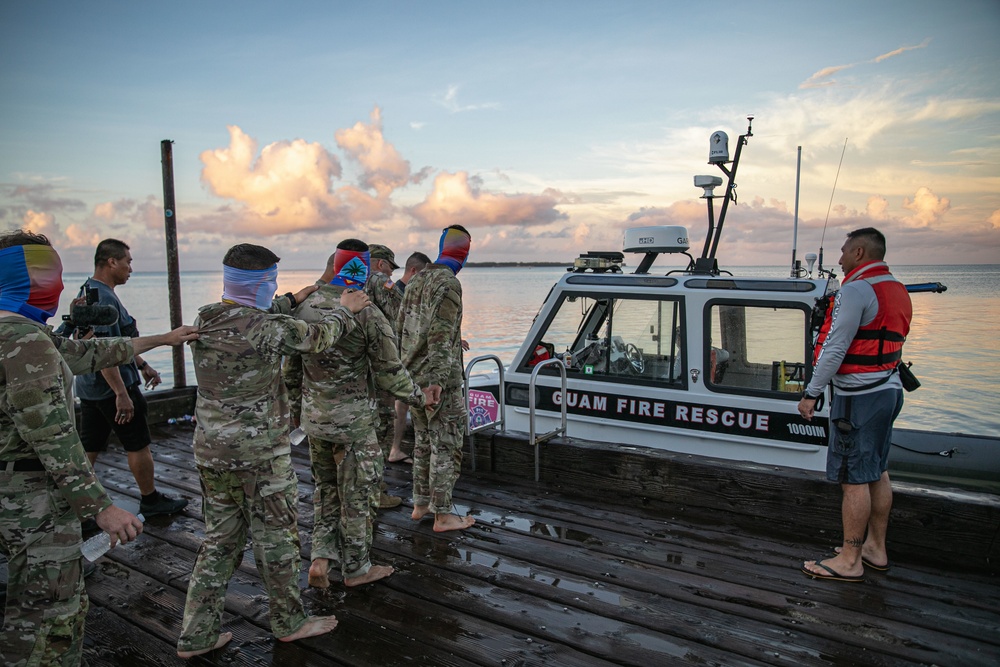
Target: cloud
[(384, 170), (902, 49), (926, 207), (41, 223), (288, 187), (822, 78), (458, 199), (877, 207), (450, 102), (995, 219)]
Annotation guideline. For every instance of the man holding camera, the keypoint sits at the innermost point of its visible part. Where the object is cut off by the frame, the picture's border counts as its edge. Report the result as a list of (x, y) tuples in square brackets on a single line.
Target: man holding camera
[(111, 399)]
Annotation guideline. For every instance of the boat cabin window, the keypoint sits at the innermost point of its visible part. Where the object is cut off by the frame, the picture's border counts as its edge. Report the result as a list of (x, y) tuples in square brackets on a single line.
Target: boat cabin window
[(628, 339), (759, 349)]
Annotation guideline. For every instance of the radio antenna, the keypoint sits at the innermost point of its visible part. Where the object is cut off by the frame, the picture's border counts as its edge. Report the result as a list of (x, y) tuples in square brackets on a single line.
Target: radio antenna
[(830, 206)]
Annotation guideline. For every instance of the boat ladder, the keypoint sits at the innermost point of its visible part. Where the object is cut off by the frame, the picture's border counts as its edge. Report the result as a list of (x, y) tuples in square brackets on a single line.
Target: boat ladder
[(533, 439), (498, 423)]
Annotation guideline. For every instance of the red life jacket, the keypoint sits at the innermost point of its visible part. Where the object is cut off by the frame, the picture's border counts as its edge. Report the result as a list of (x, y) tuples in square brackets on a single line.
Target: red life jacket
[(878, 345)]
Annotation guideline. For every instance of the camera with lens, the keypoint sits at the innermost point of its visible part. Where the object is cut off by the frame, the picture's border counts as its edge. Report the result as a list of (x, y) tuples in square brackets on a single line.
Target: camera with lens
[(84, 317)]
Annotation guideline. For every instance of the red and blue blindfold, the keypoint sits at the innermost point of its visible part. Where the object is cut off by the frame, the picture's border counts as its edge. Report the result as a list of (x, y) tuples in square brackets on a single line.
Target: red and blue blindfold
[(30, 281)]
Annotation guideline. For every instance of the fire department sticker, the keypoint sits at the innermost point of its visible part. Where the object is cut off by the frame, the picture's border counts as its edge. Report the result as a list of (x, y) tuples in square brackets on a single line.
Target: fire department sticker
[(483, 408)]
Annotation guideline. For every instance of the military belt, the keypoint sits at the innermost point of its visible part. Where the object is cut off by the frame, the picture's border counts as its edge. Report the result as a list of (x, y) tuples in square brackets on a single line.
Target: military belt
[(23, 465)]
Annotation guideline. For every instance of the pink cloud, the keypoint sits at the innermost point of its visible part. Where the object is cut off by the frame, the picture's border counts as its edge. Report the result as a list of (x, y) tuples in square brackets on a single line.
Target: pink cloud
[(458, 199), (384, 169), (286, 188), (926, 207), (41, 223)]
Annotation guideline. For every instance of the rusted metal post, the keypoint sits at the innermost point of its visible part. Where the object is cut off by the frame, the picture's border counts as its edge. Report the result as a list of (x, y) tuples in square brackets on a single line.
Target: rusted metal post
[(173, 265)]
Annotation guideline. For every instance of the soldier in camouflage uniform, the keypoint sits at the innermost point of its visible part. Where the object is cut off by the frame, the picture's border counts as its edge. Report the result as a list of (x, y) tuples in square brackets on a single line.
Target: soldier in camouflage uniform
[(381, 290), (47, 485), (241, 445), (331, 395), (414, 265), (430, 322)]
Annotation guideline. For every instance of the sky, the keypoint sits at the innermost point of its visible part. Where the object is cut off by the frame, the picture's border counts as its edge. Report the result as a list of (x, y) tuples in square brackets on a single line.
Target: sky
[(545, 128)]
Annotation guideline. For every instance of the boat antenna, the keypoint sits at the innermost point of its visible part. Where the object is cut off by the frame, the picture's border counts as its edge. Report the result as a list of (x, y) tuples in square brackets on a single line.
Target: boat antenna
[(836, 178), (796, 269)]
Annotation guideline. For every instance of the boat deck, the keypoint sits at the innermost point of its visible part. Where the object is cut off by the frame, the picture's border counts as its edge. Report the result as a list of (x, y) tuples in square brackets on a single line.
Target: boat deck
[(541, 579)]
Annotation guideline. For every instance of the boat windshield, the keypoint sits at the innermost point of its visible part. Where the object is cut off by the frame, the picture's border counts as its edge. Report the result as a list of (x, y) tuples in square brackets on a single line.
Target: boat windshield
[(757, 348), (633, 338)]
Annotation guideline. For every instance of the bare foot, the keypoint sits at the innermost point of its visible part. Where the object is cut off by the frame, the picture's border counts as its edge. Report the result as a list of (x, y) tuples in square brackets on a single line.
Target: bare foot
[(869, 558), (223, 640), (374, 573), (319, 573), (419, 512), (446, 522), (313, 627)]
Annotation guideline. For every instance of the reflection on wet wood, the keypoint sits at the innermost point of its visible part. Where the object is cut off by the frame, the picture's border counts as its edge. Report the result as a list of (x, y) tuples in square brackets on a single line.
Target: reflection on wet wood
[(545, 578), (936, 527)]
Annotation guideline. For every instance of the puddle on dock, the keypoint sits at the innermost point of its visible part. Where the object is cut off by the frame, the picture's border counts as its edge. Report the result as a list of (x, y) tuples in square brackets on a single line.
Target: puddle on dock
[(441, 551), (539, 528)]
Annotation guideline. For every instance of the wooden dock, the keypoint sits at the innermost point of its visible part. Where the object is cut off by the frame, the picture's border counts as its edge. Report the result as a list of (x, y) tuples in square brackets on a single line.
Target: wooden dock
[(543, 578)]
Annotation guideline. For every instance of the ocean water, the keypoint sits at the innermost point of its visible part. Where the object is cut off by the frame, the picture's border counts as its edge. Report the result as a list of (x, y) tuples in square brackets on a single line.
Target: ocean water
[(953, 343)]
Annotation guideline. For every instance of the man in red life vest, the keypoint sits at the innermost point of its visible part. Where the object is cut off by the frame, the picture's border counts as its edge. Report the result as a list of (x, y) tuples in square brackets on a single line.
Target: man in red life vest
[(857, 349)]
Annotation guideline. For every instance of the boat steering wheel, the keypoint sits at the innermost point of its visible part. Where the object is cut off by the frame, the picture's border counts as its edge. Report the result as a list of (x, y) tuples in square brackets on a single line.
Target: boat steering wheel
[(635, 359)]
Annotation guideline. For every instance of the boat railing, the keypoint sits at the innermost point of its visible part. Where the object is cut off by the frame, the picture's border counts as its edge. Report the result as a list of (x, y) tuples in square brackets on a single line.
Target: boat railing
[(533, 439), (499, 421)]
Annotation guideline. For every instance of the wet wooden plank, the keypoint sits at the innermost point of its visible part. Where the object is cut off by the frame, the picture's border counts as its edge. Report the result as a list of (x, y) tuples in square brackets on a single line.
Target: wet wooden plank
[(586, 580), (765, 497)]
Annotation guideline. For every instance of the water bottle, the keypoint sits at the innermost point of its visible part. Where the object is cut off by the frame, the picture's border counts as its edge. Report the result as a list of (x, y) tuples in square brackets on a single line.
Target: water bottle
[(99, 544)]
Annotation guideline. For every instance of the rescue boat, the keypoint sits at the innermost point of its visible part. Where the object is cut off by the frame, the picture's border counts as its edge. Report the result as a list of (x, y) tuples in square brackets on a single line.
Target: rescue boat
[(694, 361)]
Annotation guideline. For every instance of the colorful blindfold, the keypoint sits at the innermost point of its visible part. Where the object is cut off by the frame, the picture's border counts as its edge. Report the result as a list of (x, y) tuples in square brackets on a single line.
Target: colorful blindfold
[(250, 288), (30, 281), (453, 250), (351, 267)]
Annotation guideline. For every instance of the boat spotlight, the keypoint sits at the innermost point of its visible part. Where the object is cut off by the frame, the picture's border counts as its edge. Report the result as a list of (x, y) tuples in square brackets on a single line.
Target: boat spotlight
[(707, 183)]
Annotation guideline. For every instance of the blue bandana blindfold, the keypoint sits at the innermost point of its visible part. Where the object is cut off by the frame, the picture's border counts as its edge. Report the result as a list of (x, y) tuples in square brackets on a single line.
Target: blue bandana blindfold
[(250, 288)]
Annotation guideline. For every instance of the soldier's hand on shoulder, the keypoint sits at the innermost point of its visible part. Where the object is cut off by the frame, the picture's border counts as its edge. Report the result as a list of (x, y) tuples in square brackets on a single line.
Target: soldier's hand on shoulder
[(182, 334), (354, 300), (304, 292)]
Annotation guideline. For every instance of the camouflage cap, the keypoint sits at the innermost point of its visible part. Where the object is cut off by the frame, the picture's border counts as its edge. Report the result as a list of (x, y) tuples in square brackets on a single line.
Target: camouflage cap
[(378, 251)]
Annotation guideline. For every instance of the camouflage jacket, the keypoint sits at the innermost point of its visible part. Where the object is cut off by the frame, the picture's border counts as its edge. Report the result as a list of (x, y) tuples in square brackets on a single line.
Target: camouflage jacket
[(242, 407), (430, 326), (36, 416), (333, 389), (379, 289)]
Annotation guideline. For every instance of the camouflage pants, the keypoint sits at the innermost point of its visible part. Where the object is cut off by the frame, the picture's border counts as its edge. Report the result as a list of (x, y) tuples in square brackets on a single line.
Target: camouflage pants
[(46, 600), (386, 420), (347, 474), (261, 501), (437, 452)]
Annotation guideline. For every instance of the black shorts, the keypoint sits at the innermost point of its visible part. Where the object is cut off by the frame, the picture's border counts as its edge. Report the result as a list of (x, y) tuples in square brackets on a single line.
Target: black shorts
[(97, 421)]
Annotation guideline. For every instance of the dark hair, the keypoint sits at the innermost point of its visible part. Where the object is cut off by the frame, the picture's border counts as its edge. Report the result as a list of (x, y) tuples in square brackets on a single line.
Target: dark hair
[(417, 260), (354, 245), (461, 229), (250, 257), (872, 239), (109, 249), (22, 237)]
